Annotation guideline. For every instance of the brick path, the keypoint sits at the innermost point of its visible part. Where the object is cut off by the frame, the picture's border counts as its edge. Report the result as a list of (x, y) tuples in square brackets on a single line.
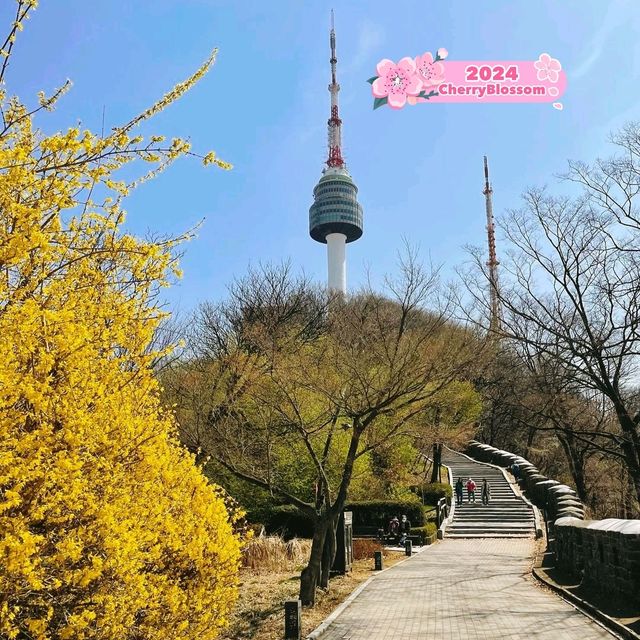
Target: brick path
[(462, 589)]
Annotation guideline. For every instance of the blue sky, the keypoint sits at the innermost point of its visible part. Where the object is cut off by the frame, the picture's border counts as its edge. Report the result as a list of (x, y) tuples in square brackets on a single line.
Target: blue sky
[(264, 108)]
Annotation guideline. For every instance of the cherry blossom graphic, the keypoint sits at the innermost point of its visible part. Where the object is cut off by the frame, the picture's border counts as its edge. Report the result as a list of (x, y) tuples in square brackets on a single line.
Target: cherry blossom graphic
[(548, 68), (432, 77), (408, 81), (429, 71), (396, 82)]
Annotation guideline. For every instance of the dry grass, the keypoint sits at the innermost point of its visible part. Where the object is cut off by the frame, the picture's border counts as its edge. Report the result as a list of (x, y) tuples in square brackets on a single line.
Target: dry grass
[(259, 614), (365, 548), (273, 554)]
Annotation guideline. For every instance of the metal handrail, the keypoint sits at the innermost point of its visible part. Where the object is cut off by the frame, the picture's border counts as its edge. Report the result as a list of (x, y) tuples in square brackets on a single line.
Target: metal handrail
[(442, 511)]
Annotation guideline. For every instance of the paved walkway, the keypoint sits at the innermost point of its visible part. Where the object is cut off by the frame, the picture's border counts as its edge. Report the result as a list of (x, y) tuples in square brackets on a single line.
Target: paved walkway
[(462, 589)]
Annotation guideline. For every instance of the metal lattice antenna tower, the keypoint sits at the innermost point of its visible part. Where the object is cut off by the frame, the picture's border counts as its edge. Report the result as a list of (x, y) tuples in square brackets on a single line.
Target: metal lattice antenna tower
[(492, 263), (334, 122), (335, 217)]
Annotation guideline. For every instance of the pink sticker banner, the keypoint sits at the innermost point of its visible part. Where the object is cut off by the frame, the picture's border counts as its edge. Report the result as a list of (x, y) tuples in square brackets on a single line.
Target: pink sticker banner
[(428, 79)]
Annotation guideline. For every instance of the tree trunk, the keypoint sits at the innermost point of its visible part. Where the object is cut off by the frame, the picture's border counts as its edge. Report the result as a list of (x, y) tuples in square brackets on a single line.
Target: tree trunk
[(630, 444), (634, 511), (328, 553), (310, 576), (576, 465), (531, 432), (437, 460), (492, 425)]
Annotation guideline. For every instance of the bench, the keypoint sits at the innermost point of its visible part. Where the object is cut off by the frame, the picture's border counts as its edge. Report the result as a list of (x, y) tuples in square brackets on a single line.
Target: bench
[(394, 540), (377, 533), (416, 541)]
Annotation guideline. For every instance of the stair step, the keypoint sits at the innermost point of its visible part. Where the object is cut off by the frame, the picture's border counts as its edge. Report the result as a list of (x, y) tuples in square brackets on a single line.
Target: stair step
[(498, 514), (494, 519), (491, 525), (484, 517), (479, 530), (496, 534), (506, 516), (494, 514)]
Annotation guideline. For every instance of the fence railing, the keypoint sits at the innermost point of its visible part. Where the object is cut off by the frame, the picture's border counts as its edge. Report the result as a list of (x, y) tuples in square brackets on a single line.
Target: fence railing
[(442, 511)]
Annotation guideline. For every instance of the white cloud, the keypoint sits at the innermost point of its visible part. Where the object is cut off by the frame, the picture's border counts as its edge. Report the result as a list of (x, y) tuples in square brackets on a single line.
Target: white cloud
[(370, 37), (614, 18), (618, 121)]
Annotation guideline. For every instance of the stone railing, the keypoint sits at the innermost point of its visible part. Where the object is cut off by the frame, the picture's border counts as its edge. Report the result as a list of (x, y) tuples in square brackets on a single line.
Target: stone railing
[(556, 499), (601, 554)]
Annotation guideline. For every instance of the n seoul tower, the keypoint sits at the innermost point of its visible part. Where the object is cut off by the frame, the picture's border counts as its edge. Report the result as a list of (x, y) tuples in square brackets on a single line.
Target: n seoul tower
[(335, 217)]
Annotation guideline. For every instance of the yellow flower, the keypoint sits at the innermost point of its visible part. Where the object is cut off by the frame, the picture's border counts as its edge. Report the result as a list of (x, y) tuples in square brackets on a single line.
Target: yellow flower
[(107, 527)]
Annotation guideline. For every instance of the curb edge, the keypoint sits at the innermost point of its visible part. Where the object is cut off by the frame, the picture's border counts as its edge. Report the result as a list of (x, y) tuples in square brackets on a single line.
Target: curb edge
[(611, 625)]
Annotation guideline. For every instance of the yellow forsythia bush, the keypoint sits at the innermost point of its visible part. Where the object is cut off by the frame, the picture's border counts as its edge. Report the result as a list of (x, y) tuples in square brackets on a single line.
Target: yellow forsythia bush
[(108, 530)]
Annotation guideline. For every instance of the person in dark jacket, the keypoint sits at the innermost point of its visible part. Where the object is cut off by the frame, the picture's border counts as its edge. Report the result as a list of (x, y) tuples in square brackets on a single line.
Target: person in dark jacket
[(405, 529), (485, 491), (459, 491), (394, 527)]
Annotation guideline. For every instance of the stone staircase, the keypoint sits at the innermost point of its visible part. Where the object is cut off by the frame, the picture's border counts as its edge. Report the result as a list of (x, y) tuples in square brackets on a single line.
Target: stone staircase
[(507, 514)]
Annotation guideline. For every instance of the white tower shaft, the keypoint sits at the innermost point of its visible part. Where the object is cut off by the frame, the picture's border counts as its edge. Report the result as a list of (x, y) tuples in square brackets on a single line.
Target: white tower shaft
[(337, 262)]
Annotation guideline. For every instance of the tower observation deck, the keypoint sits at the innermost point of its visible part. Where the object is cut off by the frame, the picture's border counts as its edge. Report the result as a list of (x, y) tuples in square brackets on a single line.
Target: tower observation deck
[(336, 208), (335, 217)]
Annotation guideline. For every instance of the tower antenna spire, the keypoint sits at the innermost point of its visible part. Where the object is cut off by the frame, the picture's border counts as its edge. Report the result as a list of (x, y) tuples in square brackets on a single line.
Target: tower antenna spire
[(334, 123), (492, 263)]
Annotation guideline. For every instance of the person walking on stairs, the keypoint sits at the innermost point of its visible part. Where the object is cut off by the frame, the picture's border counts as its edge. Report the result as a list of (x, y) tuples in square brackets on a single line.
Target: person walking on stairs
[(471, 490), (459, 490), (485, 491)]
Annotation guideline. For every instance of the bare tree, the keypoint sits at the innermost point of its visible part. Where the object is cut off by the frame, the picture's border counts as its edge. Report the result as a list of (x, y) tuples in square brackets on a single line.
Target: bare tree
[(300, 382), (570, 296)]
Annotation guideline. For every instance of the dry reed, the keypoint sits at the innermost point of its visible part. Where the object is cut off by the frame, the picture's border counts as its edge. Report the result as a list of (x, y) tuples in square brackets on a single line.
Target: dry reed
[(272, 553)]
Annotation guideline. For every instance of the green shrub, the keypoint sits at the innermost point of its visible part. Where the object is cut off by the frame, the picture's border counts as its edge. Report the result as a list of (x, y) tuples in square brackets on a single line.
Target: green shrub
[(430, 513), (425, 532), (431, 492), (378, 513), (287, 521)]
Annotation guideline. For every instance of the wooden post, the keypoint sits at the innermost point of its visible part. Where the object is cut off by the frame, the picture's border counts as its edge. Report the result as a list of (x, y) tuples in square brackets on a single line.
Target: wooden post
[(378, 560), (292, 620)]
